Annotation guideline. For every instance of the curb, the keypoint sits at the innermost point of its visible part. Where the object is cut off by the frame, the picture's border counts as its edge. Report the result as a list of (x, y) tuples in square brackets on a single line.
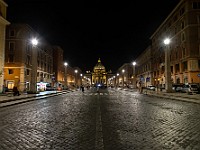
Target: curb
[(15, 101)]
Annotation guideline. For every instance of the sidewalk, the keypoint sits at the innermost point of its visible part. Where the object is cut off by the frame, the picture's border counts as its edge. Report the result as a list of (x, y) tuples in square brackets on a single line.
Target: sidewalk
[(7, 100), (194, 98)]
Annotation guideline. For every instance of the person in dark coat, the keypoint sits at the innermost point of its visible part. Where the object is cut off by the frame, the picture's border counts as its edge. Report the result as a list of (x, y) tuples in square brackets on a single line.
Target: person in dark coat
[(15, 91), (82, 88)]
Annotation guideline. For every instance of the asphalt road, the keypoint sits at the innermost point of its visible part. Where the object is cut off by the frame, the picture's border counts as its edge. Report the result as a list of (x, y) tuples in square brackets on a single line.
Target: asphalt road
[(108, 120)]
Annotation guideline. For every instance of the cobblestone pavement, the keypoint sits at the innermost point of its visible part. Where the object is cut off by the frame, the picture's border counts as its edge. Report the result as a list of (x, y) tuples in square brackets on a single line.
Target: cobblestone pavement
[(56, 123), (107, 120), (148, 123)]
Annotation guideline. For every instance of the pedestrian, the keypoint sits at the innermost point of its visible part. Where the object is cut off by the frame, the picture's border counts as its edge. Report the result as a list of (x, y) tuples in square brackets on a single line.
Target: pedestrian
[(97, 89), (82, 88), (140, 87), (15, 91)]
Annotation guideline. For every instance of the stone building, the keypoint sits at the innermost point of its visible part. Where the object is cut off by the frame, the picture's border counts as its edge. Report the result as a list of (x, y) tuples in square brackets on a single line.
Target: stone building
[(99, 74), (182, 26), (3, 24), (20, 61)]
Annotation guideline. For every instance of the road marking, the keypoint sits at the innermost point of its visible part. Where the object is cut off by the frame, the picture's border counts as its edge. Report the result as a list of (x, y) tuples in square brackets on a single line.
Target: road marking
[(99, 132)]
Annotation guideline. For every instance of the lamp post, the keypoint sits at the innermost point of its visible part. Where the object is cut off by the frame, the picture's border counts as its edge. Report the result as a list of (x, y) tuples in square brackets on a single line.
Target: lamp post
[(134, 77), (76, 71), (114, 84), (81, 75), (168, 83), (65, 76), (33, 84), (123, 77), (117, 80)]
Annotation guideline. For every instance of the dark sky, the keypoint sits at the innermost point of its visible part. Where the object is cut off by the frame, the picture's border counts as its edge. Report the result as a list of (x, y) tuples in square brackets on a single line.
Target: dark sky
[(114, 31)]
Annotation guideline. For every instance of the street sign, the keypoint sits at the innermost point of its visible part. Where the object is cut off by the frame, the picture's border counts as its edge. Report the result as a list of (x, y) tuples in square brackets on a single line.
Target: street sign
[(198, 75)]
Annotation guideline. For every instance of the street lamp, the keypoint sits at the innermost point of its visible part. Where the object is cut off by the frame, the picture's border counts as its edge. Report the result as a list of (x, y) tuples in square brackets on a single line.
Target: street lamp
[(33, 84), (76, 71), (123, 77), (81, 75), (134, 77), (114, 84), (168, 83), (65, 76), (117, 84)]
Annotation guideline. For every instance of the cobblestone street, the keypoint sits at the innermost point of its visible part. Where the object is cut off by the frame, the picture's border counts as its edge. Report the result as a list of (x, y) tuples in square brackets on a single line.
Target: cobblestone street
[(108, 120)]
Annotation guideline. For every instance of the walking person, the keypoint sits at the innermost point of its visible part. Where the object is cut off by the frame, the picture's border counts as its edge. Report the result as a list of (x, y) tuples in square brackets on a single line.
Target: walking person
[(15, 91), (82, 88)]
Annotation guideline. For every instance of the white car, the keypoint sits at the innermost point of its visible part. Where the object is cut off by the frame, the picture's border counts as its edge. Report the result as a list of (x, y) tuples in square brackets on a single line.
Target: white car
[(190, 88), (151, 87)]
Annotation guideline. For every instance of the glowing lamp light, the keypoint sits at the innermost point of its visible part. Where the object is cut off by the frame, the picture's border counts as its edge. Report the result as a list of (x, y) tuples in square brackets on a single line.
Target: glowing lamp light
[(34, 41), (166, 41)]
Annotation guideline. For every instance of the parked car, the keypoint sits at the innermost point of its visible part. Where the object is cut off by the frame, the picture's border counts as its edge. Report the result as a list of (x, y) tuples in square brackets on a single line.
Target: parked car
[(49, 88), (151, 87), (190, 88), (177, 87)]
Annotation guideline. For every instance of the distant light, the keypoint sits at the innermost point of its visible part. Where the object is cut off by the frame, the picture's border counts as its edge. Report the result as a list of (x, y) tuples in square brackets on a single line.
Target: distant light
[(76, 71), (34, 42), (166, 41), (65, 63), (134, 63)]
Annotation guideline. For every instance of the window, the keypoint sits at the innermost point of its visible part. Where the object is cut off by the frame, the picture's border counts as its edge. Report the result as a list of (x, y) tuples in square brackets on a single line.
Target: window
[(175, 30), (28, 49), (0, 11), (183, 37), (185, 66), (182, 11), (11, 46), (162, 69), (12, 33), (175, 18), (28, 59), (182, 24), (10, 71), (27, 72), (196, 5), (177, 69), (184, 51), (10, 58), (172, 69)]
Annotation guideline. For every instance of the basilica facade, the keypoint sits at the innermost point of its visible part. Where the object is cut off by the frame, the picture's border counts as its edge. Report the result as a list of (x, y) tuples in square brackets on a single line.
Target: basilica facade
[(99, 75)]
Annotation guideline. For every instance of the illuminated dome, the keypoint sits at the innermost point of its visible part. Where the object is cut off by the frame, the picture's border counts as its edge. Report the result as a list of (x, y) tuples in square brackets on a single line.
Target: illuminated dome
[(99, 66)]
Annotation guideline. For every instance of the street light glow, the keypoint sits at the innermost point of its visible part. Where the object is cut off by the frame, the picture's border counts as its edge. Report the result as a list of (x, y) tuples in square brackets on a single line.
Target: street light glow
[(34, 41), (134, 63), (123, 70), (76, 71), (166, 41), (65, 63)]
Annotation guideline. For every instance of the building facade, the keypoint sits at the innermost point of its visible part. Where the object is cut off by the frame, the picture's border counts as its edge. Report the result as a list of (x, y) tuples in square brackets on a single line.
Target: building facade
[(182, 27), (144, 68), (3, 24), (124, 75), (99, 74), (20, 61)]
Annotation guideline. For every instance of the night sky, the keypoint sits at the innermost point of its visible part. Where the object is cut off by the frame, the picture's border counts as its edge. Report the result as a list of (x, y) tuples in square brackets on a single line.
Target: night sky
[(114, 31)]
